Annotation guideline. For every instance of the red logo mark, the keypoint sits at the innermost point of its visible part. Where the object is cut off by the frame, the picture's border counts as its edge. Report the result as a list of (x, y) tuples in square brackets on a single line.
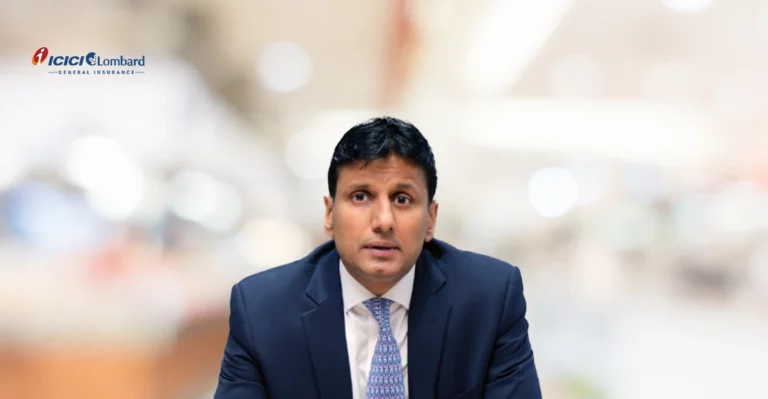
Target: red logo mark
[(40, 55)]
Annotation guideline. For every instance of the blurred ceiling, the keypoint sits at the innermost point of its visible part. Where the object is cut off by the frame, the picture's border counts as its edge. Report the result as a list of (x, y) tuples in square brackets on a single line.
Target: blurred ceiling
[(434, 59)]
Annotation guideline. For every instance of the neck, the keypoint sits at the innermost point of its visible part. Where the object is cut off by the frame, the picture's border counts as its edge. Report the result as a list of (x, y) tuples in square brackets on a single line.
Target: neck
[(376, 287)]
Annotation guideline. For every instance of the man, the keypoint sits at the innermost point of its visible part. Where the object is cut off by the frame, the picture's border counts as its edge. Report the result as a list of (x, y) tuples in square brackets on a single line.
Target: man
[(382, 310)]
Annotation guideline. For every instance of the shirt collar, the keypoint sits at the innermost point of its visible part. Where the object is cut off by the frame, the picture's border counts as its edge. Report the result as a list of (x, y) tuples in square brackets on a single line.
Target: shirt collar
[(353, 293)]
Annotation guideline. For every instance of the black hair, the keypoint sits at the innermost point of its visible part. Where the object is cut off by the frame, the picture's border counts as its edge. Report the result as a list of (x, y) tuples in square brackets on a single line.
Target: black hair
[(379, 138)]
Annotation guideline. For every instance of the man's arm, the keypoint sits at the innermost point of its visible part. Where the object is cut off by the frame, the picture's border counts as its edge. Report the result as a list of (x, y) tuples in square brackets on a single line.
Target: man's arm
[(240, 376), (512, 374)]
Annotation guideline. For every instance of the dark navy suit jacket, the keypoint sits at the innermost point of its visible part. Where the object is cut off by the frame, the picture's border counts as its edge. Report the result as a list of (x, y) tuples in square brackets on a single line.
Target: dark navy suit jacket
[(467, 332)]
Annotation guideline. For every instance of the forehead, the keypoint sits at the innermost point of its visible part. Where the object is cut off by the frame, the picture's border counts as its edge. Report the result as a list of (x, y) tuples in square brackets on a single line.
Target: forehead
[(393, 169)]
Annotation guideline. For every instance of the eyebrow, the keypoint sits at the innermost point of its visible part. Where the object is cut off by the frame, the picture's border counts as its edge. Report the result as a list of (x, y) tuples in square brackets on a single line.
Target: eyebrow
[(360, 187), (405, 186), (367, 187)]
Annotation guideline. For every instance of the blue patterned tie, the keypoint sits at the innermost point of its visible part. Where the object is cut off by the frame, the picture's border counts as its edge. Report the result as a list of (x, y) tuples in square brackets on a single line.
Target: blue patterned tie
[(386, 378)]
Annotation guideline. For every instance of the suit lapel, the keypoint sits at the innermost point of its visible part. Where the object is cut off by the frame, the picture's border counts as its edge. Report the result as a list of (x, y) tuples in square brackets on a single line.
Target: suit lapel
[(427, 322), (324, 330)]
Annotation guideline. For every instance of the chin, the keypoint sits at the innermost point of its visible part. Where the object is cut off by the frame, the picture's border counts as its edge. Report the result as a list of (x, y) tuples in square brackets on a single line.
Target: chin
[(383, 271)]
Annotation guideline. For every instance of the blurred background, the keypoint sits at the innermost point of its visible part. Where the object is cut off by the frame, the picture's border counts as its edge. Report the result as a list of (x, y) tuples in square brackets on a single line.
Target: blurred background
[(614, 150)]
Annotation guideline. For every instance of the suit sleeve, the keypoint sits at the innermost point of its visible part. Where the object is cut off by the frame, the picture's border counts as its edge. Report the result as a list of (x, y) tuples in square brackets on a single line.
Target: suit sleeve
[(240, 376), (512, 373)]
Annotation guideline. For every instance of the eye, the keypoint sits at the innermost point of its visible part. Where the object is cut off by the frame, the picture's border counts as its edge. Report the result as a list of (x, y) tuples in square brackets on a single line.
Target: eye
[(359, 197), (402, 200)]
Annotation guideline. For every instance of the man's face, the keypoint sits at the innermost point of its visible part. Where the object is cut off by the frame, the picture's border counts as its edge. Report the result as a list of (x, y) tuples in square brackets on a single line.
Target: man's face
[(380, 220)]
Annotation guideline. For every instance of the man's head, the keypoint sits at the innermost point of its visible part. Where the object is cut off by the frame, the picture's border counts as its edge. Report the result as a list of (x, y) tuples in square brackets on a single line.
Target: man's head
[(380, 209)]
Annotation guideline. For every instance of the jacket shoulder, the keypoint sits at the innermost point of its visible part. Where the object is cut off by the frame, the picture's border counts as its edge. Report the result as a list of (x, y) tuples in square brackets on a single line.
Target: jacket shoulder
[(476, 270), (284, 279), (279, 285), (275, 275), (475, 262)]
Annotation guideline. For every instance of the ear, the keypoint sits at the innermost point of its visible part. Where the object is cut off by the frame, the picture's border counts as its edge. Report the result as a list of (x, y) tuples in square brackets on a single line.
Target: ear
[(328, 215), (432, 221)]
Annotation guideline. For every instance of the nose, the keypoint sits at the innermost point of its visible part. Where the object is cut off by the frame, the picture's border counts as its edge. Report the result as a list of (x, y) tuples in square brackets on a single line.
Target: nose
[(383, 217)]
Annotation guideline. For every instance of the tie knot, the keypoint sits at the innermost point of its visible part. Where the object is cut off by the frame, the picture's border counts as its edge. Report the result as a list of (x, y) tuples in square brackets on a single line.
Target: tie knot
[(380, 309)]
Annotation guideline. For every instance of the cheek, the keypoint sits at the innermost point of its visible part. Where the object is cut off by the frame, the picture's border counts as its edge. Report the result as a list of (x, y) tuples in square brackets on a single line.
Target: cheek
[(416, 227), (347, 223)]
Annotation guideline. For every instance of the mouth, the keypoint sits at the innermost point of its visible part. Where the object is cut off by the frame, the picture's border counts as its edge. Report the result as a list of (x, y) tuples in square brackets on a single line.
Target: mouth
[(381, 249)]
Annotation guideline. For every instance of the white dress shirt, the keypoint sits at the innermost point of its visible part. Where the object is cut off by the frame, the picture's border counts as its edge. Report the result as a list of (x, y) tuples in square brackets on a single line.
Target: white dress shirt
[(362, 329)]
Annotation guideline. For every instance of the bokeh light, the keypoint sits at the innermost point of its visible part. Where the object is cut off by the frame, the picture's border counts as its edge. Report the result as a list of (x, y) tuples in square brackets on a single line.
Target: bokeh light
[(553, 192)]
